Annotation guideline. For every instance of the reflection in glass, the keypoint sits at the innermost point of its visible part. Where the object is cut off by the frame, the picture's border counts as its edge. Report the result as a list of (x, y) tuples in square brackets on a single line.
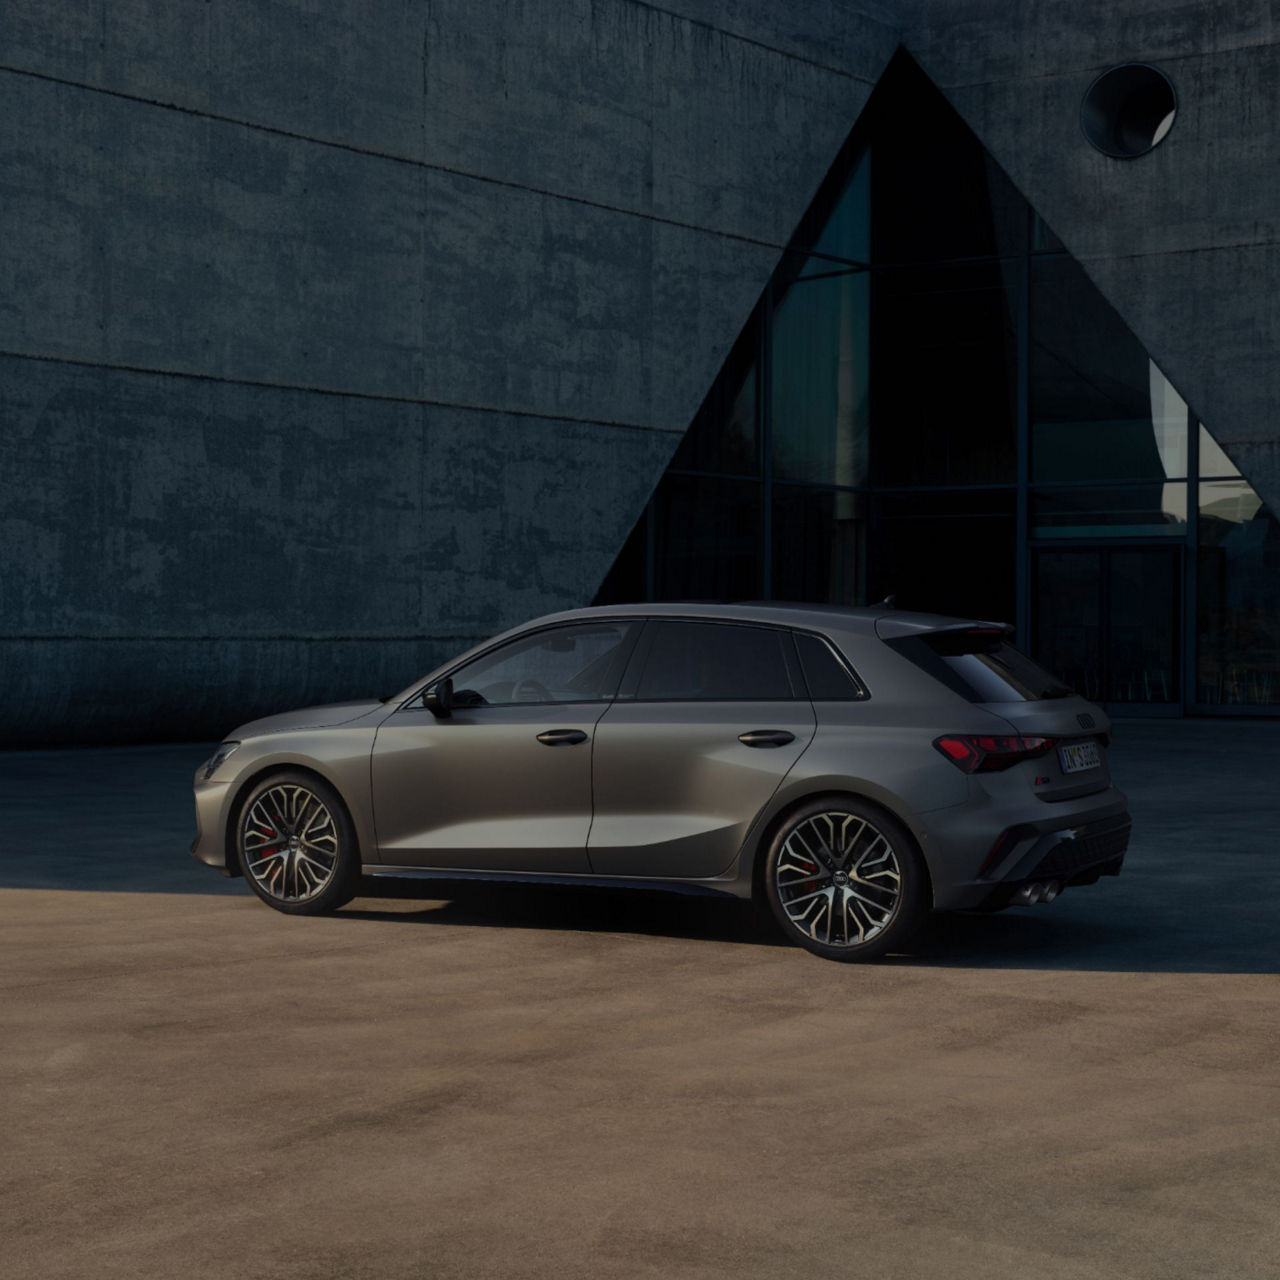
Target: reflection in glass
[(1143, 612), (1238, 605), (818, 540), (1111, 511), (1066, 623), (706, 536), (1213, 461), (945, 552), (1105, 621), (944, 392), (1100, 408), (819, 379)]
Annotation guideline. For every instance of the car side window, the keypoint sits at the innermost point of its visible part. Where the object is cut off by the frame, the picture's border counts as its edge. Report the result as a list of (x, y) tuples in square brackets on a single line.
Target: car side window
[(829, 680), (562, 664), (712, 661)]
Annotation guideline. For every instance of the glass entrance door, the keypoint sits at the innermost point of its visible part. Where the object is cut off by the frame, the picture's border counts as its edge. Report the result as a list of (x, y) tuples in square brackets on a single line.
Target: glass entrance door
[(1107, 620)]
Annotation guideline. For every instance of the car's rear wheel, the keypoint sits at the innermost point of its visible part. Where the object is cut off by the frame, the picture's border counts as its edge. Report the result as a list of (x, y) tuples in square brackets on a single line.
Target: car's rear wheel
[(297, 846), (844, 880)]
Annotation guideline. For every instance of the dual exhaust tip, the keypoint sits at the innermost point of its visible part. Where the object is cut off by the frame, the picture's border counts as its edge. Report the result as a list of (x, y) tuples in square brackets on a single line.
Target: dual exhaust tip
[(1029, 894)]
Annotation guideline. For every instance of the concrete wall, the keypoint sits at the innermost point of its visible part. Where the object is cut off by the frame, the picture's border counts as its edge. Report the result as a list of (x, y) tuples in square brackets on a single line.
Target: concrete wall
[(335, 336), (1182, 241)]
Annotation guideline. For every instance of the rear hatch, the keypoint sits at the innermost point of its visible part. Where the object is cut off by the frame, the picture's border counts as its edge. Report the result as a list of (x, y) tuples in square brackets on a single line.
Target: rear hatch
[(978, 661)]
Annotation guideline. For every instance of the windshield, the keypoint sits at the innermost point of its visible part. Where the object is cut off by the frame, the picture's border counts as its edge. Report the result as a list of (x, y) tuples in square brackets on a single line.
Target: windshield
[(981, 665)]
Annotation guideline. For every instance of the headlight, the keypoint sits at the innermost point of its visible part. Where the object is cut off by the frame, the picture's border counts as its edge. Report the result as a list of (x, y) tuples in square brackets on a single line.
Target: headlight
[(218, 759)]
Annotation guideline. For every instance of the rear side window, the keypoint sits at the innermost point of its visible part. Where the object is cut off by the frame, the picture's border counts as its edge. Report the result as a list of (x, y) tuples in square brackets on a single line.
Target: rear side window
[(980, 665), (711, 661), (828, 678)]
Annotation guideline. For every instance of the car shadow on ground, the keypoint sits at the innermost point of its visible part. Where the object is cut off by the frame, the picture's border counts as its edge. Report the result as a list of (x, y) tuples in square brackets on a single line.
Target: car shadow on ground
[(1095, 933)]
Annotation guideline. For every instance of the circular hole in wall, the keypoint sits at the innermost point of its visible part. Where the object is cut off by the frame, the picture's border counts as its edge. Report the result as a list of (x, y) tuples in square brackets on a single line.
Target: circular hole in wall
[(1128, 110)]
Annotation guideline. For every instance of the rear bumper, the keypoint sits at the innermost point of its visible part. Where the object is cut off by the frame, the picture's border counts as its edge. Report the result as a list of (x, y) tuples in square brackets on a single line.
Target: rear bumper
[(980, 855)]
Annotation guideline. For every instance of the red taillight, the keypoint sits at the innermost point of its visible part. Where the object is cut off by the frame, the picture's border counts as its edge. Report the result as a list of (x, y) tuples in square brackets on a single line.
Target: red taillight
[(986, 753)]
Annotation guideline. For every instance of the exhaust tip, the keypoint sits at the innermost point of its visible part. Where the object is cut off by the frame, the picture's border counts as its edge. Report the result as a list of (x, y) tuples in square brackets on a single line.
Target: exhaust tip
[(1029, 894), (1051, 891)]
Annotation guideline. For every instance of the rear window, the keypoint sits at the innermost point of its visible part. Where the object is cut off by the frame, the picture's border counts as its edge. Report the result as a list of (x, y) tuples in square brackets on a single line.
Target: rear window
[(824, 673), (981, 666)]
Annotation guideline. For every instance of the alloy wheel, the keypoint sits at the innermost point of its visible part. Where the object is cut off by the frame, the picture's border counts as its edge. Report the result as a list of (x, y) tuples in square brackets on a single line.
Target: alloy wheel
[(289, 843), (838, 879)]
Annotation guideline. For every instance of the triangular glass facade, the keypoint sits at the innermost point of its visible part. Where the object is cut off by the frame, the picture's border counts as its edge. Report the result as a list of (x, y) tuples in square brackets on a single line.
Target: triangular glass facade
[(932, 400)]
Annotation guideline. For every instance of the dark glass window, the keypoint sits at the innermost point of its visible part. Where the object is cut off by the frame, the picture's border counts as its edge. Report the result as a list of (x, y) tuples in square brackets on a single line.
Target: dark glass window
[(711, 661), (944, 392), (819, 378), (1100, 409), (1238, 618), (826, 676), (1111, 511), (936, 193), (707, 539), (818, 538), (981, 666), (564, 664), (945, 552)]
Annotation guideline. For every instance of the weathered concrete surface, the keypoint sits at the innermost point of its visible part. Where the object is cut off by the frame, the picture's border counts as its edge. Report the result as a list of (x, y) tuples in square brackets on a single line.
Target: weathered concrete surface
[(194, 553), (1182, 241), (523, 1083), (511, 244)]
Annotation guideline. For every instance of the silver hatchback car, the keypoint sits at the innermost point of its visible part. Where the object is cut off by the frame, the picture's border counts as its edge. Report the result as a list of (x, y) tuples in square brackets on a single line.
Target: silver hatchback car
[(854, 769)]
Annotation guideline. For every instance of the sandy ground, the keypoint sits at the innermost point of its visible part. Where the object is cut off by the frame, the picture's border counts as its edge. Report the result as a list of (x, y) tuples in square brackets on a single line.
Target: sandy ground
[(531, 1082)]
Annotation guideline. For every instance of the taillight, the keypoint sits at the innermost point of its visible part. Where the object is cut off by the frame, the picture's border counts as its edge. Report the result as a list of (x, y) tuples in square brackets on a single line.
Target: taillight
[(986, 753)]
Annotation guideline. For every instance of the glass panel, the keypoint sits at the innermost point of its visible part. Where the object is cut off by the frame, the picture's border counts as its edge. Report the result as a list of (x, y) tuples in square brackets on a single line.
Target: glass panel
[(708, 661), (937, 194), (981, 665), (1122, 511), (952, 553), (708, 539), (1100, 409), (818, 541), (1238, 619), (847, 233), (819, 379), (944, 395), (566, 664), (1066, 621), (1143, 622), (1213, 461), (725, 435), (824, 674)]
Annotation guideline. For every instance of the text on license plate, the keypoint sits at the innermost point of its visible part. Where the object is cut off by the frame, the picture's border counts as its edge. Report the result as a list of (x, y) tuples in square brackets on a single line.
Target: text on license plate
[(1079, 757)]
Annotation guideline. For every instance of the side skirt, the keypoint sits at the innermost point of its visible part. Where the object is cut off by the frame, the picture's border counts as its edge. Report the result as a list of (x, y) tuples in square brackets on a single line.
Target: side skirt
[(690, 887)]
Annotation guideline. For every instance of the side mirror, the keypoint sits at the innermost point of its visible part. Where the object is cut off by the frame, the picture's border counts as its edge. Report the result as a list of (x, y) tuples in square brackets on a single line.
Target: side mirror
[(439, 699)]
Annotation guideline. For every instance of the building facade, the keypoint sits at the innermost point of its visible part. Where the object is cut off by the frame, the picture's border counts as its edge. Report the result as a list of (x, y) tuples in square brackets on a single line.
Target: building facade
[(337, 337)]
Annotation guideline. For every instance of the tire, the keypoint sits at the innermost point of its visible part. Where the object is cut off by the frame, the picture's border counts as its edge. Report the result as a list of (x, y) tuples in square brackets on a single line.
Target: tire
[(838, 852), (296, 844)]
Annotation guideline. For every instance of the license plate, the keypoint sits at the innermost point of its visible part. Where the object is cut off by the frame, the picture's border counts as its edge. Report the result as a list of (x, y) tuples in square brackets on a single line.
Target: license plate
[(1079, 757)]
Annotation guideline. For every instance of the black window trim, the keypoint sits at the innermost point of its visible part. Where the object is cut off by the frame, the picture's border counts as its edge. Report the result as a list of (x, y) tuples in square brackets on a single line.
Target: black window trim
[(629, 643), (862, 694)]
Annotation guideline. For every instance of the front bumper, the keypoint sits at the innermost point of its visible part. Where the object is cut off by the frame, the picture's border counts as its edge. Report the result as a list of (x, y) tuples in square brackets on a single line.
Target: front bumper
[(210, 844)]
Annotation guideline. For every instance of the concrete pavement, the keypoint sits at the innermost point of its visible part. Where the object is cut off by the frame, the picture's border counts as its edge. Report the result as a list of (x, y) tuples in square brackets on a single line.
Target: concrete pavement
[(529, 1083)]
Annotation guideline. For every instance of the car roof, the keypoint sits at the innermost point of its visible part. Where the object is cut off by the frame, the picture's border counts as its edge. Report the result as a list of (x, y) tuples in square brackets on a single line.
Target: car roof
[(818, 617)]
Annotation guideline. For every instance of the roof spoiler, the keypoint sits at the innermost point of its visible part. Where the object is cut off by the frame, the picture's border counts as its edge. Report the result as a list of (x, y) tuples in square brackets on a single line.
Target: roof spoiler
[(890, 626)]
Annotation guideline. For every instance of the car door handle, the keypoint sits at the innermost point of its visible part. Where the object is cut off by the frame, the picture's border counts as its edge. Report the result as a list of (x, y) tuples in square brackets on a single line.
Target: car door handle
[(561, 737), (766, 738)]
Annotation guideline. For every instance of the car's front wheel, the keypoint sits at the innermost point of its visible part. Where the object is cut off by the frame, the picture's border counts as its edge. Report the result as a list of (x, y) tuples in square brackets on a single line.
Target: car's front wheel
[(297, 846), (845, 881)]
